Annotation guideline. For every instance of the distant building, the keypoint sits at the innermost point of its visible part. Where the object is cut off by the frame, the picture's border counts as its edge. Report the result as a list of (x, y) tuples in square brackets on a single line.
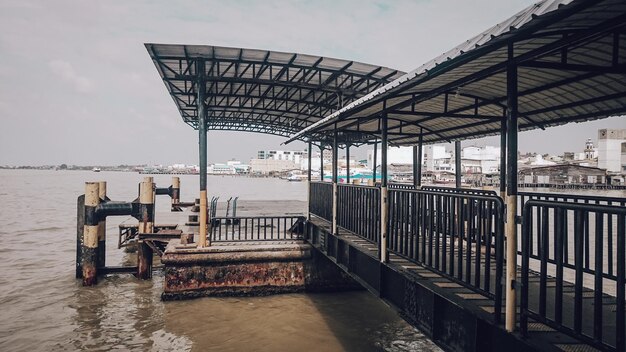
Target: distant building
[(270, 166), (612, 150), (291, 155), (562, 174)]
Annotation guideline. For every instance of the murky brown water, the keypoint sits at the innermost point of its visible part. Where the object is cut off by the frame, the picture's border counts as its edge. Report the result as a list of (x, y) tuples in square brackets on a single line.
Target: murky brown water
[(43, 308)]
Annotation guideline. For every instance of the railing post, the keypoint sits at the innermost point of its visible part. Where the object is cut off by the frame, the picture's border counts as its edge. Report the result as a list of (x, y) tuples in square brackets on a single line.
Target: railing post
[(384, 207), (102, 193), (511, 200), (146, 225), (89, 250)]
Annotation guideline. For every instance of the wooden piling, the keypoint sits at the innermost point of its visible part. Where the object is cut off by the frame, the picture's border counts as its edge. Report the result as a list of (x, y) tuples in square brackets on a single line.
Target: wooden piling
[(202, 240), (175, 193), (102, 228), (146, 225), (89, 248)]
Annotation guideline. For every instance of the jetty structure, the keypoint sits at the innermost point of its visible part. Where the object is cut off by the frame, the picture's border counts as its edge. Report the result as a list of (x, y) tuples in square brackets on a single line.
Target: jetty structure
[(475, 269)]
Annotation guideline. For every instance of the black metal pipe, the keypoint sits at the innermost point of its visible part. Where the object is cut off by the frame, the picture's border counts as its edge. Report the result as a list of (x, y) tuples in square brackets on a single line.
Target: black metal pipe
[(111, 208), (415, 179), (512, 127), (457, 163), (383, 151), (375, 161), (169, 191), (335, 156), (321, 162), (202, 132), (348, 163), (310, 152), (503, 130), (420, 145)]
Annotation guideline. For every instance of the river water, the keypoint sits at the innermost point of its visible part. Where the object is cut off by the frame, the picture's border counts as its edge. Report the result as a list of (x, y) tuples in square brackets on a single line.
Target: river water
[(43, 307)]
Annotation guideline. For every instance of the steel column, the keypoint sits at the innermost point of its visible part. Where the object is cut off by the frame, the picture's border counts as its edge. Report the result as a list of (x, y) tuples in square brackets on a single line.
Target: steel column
[(511, 191), (457, 163), (308, 184), (322, 162), (384, 209), (335, 177), (348, 163), (420, 146), (201, 90), (503, 157), (415, 166), (375, 162)]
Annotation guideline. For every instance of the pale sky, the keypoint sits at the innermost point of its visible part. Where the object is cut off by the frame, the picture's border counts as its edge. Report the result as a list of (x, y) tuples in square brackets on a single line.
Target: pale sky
[(78, 87)]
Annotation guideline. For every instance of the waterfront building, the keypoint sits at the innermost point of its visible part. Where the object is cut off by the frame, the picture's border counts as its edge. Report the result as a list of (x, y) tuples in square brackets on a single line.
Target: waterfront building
[(612, 150), (270, 166), (292, 155)]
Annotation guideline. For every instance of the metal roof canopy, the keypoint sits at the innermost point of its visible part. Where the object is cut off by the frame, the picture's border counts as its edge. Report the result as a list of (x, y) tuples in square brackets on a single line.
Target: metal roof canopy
[(571, 62), (262, 91)]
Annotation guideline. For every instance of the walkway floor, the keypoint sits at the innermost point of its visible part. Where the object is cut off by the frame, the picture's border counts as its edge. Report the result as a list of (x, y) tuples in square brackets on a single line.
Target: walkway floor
[(541, 334)]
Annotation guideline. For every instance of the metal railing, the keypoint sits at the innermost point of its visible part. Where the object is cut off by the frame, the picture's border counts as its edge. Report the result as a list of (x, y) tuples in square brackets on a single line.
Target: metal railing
[(405, 186), (460, 190), (572, 198), (460, 236), (321, 200), (359, 210), (575, 269), (257, 228)]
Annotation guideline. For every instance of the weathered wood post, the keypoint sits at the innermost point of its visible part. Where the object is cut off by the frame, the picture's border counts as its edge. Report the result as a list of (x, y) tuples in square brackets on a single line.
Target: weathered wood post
[(89, 250), (146, 225), (102, 228), (511, 191), (175, 193), (384, 205)]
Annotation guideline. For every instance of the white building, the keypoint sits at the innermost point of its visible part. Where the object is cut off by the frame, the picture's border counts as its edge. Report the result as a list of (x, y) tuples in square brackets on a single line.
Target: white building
[(612, 150), (267, 166), (484, 160), (292, 155)]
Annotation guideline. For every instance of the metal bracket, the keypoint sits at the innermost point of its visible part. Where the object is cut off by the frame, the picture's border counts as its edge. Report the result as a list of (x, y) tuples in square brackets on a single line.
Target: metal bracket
[(518, 220)]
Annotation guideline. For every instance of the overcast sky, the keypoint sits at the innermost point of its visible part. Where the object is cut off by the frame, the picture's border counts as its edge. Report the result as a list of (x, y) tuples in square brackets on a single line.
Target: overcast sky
[(77, 85)]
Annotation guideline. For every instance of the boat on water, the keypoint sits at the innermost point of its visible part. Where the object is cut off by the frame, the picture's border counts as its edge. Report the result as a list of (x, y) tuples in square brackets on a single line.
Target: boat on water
[(96, 169)]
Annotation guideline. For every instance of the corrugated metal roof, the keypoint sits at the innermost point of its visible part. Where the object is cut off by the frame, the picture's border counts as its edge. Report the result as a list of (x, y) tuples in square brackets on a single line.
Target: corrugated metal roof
[(263, 91), (568, 71)]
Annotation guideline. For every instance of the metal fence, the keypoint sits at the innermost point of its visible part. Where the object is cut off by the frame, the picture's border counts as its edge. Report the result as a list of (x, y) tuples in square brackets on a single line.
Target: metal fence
[(359, 210), (460, 236), (321, 200), (577, 272), (460, 190), (257, 228)]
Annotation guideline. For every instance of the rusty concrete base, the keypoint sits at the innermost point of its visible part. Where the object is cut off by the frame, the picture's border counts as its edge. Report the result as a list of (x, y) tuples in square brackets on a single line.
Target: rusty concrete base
[(249, 269)]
